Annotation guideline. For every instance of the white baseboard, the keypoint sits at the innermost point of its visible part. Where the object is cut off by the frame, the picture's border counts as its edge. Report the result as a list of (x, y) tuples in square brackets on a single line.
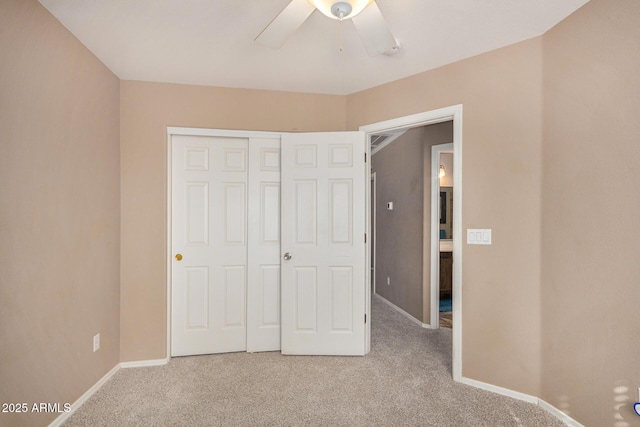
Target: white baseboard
[(144, 363), (401, 311), (566, 419), (78, 403), (500, 390), (558, 414)]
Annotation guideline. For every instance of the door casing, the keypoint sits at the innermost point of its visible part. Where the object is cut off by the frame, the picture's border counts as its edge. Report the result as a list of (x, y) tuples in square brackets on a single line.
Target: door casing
[(434, 230)]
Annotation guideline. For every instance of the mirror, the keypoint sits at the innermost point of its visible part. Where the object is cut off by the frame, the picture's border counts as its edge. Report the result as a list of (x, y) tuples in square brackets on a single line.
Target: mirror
[(446, 213)]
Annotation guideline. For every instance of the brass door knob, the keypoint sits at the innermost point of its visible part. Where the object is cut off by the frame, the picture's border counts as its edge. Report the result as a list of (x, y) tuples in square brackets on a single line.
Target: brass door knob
[(178, 257)]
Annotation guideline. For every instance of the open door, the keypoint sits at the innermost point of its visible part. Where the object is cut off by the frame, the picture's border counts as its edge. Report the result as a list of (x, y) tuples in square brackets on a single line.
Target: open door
[(323, 223)]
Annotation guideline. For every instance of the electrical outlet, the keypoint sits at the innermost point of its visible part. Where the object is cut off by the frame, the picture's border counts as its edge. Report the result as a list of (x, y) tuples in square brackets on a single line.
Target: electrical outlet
[(388, 281), (96, 342)]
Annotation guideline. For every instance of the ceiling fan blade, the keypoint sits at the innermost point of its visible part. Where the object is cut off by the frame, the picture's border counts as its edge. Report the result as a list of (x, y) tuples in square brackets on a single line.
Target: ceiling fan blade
[(285, 24), (374, 32)]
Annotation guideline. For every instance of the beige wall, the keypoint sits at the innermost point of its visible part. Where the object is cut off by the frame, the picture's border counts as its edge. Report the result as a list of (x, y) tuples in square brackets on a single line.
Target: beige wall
[(59, 213), (501, 93), (146, 109), (591, 203)]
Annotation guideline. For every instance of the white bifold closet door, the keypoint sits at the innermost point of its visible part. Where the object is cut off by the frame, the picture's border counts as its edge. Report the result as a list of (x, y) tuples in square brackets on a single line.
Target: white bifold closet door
[(231, 289), (226, 285)]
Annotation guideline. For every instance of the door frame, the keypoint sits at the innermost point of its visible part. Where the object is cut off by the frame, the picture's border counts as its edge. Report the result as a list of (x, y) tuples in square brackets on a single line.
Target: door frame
[(452, 113), (193, 132), (436, 150), (373, 190)]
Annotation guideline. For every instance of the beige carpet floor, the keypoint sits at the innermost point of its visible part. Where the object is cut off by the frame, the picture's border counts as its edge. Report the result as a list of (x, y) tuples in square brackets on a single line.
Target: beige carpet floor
[(404, 381)]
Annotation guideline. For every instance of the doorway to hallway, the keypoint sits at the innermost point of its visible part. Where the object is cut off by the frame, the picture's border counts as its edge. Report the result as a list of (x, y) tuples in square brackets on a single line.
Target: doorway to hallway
[(453, 114)]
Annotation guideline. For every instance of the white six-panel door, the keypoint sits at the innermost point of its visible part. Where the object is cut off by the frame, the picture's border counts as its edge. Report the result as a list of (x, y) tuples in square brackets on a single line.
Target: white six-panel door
[(323, 243), (209, 242), (263, 297)]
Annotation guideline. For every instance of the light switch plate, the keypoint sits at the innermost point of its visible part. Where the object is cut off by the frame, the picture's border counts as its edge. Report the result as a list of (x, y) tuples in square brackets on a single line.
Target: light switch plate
[(478, 236)]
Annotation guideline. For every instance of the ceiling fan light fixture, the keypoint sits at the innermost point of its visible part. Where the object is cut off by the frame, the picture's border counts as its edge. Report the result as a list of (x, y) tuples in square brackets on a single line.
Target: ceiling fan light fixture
[(340, 9)]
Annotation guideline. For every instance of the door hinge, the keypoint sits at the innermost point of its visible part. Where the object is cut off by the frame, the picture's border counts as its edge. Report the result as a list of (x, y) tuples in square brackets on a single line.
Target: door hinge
[(365, 237), (365, 318), (365, 157)]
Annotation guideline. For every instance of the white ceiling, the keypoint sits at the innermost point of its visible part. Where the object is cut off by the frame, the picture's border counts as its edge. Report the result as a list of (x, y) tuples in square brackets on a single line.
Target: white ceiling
[(210, 42)]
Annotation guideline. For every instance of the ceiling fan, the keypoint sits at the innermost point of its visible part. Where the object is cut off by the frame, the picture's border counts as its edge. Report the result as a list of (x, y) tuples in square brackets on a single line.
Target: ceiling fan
[(365, 14)]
